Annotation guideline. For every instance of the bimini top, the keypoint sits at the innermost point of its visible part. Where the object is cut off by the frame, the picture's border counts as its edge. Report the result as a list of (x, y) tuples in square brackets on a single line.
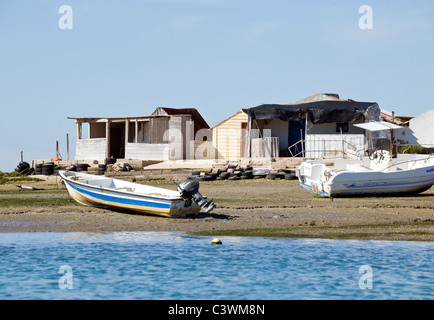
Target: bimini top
[(378, 126), (318, 112)]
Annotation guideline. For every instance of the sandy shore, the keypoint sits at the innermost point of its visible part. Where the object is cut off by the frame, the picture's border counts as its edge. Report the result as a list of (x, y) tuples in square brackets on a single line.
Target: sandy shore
[(250, 207)]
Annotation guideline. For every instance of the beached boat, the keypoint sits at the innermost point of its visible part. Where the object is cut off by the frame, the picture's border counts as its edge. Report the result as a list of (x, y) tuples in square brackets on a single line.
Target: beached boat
[(105, 192), (378, 175)]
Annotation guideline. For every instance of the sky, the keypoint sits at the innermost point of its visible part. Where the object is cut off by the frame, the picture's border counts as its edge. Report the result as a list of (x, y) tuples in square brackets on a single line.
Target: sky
[(126, 58)]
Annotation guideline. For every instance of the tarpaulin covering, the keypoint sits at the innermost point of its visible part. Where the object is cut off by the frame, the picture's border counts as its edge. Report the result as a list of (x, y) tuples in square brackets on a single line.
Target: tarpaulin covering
[(317, 112)]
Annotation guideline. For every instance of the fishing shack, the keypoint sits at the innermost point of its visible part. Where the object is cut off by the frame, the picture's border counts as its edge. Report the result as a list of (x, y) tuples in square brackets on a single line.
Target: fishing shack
[(318, 126), (163, 135)]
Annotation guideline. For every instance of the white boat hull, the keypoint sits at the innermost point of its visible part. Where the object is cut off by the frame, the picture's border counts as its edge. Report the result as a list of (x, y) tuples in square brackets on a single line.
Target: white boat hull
[(99, 192), (316, 177)]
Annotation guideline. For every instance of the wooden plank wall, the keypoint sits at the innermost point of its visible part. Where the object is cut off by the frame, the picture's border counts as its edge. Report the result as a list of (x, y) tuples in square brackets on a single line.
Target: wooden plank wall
[(227, 136), (157, 128)]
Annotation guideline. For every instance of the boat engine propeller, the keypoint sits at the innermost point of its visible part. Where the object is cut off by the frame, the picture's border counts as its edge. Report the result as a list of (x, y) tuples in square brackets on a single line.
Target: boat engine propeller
[(189, 190)]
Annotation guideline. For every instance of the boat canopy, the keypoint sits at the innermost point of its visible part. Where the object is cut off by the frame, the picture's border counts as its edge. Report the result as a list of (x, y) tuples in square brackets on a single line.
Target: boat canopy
[(338, 111), (377, 126)]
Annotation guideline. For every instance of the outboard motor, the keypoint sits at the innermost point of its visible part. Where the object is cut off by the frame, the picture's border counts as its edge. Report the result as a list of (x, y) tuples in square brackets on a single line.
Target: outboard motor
[(189, 190)]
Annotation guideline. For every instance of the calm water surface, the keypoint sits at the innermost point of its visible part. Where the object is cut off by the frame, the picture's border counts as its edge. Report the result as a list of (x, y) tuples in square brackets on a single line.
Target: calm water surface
[(170, 265)]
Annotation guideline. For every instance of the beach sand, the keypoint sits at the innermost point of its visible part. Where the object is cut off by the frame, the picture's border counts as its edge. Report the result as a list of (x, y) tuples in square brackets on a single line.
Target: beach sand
[(246, 207)]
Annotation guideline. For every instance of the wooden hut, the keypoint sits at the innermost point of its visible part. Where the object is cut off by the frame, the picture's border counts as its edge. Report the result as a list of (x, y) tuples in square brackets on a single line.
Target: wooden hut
[(230, 137), (160, 136)]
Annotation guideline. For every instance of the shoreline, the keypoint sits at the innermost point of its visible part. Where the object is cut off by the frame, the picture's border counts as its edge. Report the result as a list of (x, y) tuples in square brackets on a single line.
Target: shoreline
[(264, 208)]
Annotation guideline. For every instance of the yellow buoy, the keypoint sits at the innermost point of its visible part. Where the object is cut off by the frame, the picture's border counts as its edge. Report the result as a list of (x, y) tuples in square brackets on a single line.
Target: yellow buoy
[(216, 241)]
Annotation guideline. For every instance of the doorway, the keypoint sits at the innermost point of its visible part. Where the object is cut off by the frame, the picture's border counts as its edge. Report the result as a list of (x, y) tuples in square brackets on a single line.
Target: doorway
[(117, 140), (243, 151), (296, 134)]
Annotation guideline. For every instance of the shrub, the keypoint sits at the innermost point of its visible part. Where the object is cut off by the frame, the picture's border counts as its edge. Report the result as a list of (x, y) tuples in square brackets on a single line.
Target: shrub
[(413, 149)]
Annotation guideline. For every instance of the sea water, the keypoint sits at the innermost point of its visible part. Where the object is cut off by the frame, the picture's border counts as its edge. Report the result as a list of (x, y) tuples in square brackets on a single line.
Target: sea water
[(172, 265)]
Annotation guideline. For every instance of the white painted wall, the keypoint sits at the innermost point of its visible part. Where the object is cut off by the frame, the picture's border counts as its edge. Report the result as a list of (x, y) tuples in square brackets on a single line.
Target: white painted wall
[(90, 149), (147, 151), (422, 128), (279, 129), (265, 147)]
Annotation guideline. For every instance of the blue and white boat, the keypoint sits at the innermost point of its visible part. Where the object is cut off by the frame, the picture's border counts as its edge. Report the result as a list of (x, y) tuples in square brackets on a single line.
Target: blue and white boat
[(114, 194)]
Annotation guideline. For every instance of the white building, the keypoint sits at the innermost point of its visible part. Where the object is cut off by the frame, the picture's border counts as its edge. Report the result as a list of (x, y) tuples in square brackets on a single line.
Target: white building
[(422, 128)]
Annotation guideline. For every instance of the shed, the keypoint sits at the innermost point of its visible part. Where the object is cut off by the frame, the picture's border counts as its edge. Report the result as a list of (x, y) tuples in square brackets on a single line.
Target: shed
[(319, 126), (230, 137), (160, 136)]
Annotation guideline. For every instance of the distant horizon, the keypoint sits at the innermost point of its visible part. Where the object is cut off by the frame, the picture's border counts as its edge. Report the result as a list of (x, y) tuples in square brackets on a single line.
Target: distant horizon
[(113, 58)]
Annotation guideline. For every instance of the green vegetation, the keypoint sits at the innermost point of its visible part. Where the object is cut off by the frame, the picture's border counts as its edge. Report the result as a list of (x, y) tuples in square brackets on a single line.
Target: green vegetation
[(413, 149), (33, 201), (11, 196), (343, 232), (15, 178), (41, 198)]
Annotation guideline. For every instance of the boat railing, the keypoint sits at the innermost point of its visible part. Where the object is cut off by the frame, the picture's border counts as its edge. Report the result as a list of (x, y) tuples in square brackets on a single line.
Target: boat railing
[(406, 161), (298, 149)]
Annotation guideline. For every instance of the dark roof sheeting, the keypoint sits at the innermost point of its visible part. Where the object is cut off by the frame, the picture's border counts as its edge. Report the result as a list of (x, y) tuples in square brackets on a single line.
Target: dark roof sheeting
[(317, 112)]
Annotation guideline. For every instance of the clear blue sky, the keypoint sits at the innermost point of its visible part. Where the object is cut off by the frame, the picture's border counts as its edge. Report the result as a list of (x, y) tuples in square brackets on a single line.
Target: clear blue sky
[(126, 58)]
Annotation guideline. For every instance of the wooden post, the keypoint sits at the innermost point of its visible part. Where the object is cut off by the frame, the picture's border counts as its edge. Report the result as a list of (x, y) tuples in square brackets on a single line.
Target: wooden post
[(302, 147), (343, 143), (78, 130), (249, 126), (67, 147), (127, 131), (189, 140), (107, 136), (306, 128)]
